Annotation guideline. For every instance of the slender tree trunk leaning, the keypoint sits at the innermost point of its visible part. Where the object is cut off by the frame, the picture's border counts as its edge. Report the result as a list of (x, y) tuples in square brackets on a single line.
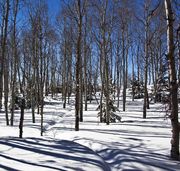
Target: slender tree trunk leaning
[(102, 87), (173, 82), (6, 91)]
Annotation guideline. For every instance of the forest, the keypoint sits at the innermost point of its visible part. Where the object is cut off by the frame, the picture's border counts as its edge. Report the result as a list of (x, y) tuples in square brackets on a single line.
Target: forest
[(78, 67)]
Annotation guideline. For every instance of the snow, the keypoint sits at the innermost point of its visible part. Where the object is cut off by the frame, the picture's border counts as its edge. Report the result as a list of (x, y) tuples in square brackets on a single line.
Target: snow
[(133, 144)]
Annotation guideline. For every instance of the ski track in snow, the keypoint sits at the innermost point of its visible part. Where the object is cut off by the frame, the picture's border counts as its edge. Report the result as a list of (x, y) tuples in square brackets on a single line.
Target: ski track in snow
[(133, 144)]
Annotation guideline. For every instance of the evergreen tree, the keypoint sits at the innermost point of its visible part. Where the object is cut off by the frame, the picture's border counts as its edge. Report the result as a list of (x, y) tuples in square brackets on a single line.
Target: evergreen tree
[(111, 106)]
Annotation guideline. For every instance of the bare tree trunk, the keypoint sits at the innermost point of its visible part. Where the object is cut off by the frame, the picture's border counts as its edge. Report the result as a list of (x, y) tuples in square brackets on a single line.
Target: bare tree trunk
[(133, 93), (102, 86), (107, 90), (21, 118), (173, 82), (39, 76), (178, 37), (124, 69), (78, 59), (6, 88), (33, 95), (13, 93), (64, 74), (4, 64), (2, 60), (145, 89), (69, 91), (146, 104), (65, 96), (85, 67), (81, 92), (138, 66), (47, 79), (118, 68), (101, 107)]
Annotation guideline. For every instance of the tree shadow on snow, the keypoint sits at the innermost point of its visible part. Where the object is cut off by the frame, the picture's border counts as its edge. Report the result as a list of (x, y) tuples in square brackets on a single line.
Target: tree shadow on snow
[(128, 155), (51, 154), (138, 160), (129, 133)]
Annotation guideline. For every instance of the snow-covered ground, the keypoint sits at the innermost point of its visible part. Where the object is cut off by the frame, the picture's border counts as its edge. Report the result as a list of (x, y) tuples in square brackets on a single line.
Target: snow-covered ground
[(133, 144)]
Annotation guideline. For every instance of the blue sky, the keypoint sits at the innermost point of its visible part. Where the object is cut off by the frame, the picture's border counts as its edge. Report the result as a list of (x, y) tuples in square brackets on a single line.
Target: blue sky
[(54, 7)]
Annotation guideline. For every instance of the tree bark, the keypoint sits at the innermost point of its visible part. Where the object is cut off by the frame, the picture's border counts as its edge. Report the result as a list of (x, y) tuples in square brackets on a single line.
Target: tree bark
[(78, 59), (124, 69), (146, 104), (14, 75), (4, 63), (21, 118), (173, 82)]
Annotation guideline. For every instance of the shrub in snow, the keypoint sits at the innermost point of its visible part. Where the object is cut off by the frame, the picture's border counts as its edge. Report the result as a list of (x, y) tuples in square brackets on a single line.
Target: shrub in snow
[(137, 89), (18, 101), (162, 93)]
